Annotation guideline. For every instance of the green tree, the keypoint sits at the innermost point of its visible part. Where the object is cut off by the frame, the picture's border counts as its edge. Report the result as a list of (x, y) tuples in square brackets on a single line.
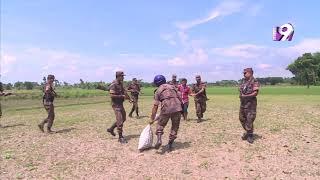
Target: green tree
[(9, 86), (306, 69)]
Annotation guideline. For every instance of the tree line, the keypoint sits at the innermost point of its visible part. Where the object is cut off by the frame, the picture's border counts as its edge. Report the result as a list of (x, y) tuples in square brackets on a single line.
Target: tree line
[(306, 71)]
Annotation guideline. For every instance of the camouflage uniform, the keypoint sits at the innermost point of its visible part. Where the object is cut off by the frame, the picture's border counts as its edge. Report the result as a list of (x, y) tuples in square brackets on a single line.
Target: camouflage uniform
[(2, 94), (248, 105), (135, 90), (47, 101), (117, 105), (200, 99), (174, 81), (170, 101)]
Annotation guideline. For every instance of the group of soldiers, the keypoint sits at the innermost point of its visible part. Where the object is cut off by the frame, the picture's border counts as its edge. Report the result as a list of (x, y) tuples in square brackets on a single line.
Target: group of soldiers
[(172, 98)]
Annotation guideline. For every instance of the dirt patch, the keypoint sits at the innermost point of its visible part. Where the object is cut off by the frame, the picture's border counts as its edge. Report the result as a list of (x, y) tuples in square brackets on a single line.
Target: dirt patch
[(286, 146)]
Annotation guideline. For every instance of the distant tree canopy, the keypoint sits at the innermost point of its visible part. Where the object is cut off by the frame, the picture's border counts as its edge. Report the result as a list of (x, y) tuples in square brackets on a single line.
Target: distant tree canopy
[(306, 69)]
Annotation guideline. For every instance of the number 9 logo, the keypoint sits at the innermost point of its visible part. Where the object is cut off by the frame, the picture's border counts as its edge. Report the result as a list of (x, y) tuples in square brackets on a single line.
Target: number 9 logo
[(286, 31)]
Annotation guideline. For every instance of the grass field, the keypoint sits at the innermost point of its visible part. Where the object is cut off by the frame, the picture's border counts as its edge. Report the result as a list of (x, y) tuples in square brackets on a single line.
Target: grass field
[(81, 93), (287, 141)]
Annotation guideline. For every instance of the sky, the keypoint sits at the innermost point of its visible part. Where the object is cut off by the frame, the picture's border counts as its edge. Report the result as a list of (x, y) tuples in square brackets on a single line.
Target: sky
[(92, 40)]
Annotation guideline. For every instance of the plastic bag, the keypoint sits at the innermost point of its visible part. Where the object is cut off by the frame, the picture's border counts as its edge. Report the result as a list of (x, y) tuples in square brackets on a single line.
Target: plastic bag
[(146, 138)]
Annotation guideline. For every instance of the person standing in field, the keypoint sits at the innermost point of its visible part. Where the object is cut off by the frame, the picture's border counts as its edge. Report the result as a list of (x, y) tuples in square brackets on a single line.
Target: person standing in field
[(168, 98), (249, 89), (200, 97), (118, 94), (47, 100), (185, 91), (2, 94), (135, 89)]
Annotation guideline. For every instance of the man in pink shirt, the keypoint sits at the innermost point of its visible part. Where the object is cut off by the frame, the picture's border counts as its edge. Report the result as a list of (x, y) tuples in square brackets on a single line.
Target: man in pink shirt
[(185, 93)]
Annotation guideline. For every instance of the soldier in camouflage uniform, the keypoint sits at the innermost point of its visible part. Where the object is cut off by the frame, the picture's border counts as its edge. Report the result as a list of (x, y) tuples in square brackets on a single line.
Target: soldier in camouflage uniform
[(134, 88), (118, 94), (2, 94), (174, 81), (200, 97), (249, 89), (169, 99), (47, 100)]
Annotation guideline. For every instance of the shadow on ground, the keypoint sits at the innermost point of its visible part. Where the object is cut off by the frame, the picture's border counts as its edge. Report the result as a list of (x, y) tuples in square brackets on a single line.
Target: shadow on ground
[(133, 136), (257, 136), (195, 120), (176, 146), (13, 125), (65, 130)]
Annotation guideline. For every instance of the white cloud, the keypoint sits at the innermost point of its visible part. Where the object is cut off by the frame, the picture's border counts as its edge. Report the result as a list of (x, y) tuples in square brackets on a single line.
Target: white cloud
[(103, 70), (223, 9), (196, 56), (7, 61), (251, 51), (264, 66), (307, 45), (245, 51), (117, 69), (169, 38), (177, 61)]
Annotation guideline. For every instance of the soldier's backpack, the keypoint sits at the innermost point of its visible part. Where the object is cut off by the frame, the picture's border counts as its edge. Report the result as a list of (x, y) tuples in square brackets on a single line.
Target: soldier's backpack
[(146, 138)]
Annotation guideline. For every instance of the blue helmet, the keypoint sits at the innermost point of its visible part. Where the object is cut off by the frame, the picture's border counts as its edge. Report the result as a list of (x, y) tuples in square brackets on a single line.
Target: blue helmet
[(159, 80)]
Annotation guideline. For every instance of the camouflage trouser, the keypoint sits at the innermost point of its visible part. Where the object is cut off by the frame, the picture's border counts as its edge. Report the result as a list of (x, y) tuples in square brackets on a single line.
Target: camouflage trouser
[(175, 120), (201, 107), (50, 110), (120, 114), (247, 114), (135, 106)]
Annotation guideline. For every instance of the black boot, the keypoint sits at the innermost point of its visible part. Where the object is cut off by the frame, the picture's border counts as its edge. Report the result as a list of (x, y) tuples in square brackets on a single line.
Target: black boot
[(111, 129), (49, 130), (159, 142), (244, 136), (41, 125), (199, 120), (137, 112), (122, 140), (130, 114), (170, 146), (250, 138)]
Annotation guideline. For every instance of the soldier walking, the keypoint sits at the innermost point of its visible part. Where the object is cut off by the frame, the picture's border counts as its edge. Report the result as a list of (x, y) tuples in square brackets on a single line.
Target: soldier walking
[(249, 89), (200, 97), (168, 97), (134, 88), (47, 100), (118, 94)]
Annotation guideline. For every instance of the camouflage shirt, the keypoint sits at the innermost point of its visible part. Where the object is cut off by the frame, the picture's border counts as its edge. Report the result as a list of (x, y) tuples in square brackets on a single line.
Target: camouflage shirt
[(49, 94), (249, 86), (169, 98), (174, 83), (117, 88), (196, 88), (135, 89)]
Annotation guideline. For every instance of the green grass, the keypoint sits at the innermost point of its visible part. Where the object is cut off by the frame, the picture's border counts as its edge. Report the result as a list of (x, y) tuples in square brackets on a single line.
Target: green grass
[(84, 93)]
